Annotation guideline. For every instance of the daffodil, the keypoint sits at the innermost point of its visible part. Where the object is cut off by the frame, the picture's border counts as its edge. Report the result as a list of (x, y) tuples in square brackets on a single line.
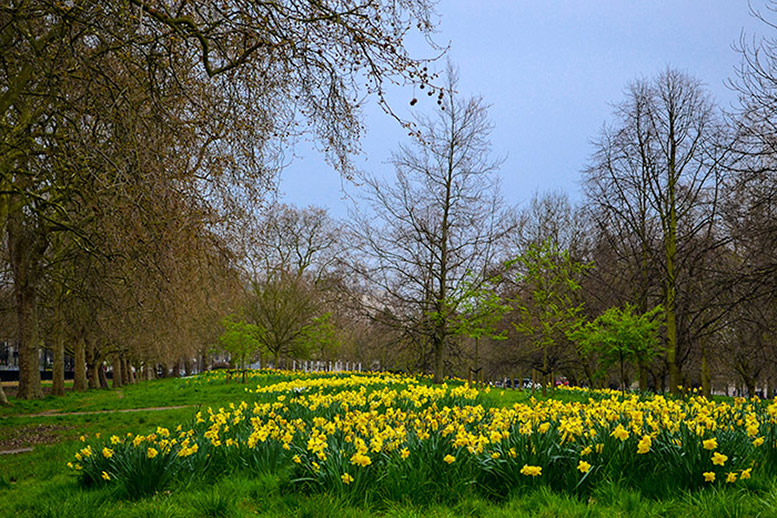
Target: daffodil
[(644, 445), (449, 459), (709, 476), (583, 466), (719, 459), (346, 478), (533, 471), (710, 444)]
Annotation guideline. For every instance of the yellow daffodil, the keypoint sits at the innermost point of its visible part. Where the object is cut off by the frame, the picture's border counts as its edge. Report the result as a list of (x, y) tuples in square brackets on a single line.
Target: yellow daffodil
[(106, 476), (346, 478), (449, 459), (719, 459), (620, 433), (151, 453), (644, 445), (583, 466), (709, 476), (532, 471), (710, 444)]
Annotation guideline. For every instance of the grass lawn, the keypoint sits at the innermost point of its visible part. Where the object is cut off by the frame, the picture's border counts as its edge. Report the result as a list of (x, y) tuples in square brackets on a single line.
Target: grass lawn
[(38, 483)]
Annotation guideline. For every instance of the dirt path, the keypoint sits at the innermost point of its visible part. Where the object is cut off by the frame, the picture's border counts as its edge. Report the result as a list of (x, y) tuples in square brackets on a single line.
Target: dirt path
[(39, 434), (57, 413)]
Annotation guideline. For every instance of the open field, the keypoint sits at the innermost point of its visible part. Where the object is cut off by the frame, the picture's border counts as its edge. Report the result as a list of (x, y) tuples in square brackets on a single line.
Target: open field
[(381, 445)]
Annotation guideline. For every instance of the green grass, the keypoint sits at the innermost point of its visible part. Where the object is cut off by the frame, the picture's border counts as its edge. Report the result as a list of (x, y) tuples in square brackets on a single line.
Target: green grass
[(37, 484)]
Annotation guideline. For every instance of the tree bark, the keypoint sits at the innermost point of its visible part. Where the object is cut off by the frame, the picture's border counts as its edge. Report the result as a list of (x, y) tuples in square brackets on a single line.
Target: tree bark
[(58, 371), (79, 369), (117, 372), (91, 366), (102, 378), (3, 399), (26, 247), (125, 371), (706, 378)]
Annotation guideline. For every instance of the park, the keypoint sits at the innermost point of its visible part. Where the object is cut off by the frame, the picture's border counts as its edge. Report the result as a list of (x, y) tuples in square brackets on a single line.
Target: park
[(387, 258)]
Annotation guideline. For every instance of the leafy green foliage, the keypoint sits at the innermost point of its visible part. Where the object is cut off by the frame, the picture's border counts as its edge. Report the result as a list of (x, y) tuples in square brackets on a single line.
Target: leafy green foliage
[(240, 339), (319, 338), (619, 336)]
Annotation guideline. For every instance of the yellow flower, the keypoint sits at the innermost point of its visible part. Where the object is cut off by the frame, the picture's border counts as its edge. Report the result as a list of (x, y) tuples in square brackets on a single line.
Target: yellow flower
[(115, 439), (710, 444), (533, 471), (732, 477), (151, 453), (360, 459), (583, 466), (709, 476), (719, 459), (746, 473), (644, 444), (296, 459), (70, 465), (107, 453), (106, 476), (620, 433), (496, 455), (599, 448), (585, 451), (449, 459), (758, 442), (544, 427), (346, 478), (404, 453), (82, 438)]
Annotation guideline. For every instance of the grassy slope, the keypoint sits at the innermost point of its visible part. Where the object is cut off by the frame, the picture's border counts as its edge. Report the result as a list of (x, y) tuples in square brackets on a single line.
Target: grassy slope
[(38, 484)]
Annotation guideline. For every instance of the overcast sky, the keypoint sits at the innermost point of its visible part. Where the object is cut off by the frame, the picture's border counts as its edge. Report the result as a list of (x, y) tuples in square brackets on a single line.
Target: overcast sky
[(551, 71)]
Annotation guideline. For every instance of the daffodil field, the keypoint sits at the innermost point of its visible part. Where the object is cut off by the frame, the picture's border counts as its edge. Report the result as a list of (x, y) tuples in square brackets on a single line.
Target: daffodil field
[(385, 437)]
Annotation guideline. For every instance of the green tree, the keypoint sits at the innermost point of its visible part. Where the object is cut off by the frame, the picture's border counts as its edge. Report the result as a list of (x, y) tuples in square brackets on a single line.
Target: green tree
[(621, 336), (546, 306), (319, 338), (241, 340), (479, 311)]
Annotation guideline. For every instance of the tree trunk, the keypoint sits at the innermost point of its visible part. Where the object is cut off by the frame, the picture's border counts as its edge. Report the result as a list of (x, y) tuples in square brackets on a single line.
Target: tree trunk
[(643, 376), (79, 369), (125, 370), (438, 346), (101, 376), (58, 370), (25, 249), (91, 366), (3, 399), (117, 372), (706, 378)]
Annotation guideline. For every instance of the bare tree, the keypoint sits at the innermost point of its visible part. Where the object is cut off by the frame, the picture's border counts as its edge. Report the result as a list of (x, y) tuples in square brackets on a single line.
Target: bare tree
[(655, 181), (438, 225), (226, 85)]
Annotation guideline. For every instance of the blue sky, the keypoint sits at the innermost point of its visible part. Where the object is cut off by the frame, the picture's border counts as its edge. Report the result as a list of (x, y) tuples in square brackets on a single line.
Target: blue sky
[(551, 71)]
